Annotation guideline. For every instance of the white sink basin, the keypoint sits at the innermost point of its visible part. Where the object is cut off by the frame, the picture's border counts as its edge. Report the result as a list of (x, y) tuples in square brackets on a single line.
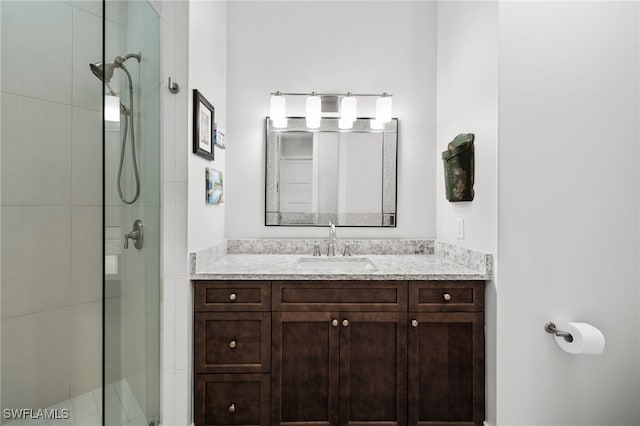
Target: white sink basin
[(338, 264)]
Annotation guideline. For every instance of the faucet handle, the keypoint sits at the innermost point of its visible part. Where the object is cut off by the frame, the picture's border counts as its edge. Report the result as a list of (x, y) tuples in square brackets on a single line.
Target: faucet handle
[(316, 248), (346, 249)]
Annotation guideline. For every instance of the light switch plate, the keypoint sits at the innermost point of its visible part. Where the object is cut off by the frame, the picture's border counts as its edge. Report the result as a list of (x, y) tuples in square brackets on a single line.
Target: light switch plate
[(460, 228)]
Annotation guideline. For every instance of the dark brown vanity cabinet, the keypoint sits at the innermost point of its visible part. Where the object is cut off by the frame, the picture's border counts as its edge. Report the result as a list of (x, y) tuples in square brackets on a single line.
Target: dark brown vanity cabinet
[(232, 353), (446, 353), (339, 353)]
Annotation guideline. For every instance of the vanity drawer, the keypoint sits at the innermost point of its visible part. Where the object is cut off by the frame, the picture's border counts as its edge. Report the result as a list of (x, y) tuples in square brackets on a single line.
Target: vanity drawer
[(339, 295), (232, 342), (232, 296), (232, 399), (446, 296)]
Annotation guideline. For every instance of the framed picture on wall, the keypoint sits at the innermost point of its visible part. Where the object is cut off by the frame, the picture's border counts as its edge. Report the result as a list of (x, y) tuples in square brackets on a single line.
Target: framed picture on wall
[(218, 139), (203, 119), (215, 191)]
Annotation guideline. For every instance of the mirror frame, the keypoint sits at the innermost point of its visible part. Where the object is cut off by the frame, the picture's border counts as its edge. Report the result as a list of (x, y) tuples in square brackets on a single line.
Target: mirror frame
[(330, 124)]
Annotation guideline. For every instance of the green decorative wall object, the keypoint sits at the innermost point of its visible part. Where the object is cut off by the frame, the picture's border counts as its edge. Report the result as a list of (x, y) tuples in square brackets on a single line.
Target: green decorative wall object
[(459, 168)]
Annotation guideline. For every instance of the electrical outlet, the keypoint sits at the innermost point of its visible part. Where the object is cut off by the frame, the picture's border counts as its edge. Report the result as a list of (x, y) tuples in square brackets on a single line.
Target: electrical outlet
[(460, 228)]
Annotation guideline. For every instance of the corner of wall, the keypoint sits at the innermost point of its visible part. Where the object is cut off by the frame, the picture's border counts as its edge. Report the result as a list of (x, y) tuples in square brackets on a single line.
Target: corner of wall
[(467, 102)]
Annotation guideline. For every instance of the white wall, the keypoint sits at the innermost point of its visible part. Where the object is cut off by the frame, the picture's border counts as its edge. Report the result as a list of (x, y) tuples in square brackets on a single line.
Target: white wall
[(468, 103), (367, 47), (568, 209), (208, 74)]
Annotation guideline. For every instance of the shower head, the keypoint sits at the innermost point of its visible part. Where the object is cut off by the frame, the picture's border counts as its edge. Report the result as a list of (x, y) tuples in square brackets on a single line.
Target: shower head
[(103, 71), (98, 70)]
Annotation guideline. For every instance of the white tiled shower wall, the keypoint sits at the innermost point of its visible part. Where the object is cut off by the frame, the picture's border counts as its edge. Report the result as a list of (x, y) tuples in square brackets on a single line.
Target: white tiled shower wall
[(176, 302), (50, 208)]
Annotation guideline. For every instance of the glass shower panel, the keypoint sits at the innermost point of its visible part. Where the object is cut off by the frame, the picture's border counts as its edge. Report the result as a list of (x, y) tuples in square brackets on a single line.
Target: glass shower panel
[(50, 213), (132, 214)]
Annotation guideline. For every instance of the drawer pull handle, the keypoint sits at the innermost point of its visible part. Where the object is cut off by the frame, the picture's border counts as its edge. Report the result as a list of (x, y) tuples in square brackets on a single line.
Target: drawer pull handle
[(233, 297), (232, 344), (446, 296), (232, 408), (414, 323), (334, 323), (345, 323)]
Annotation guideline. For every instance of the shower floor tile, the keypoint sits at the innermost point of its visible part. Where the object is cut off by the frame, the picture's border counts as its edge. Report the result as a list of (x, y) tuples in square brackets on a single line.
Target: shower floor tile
[(85, 410)]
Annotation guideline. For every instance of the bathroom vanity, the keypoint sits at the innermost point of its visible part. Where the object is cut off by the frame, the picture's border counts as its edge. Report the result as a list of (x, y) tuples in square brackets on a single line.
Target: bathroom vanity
[(276, 343)]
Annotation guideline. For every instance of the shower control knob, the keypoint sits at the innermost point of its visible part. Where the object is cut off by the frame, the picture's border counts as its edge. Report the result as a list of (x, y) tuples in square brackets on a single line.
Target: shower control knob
[(233, 344), (414, 323), (232, 408), (345, 323), (233, 297), (446, 296), (334, 323)]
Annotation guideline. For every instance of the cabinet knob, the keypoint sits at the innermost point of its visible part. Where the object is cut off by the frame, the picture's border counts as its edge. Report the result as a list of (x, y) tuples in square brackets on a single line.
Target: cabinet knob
[(414, 323), (232, 408), (446, 296), (345, 323), (232, 344), (233, 297), (334, 323)]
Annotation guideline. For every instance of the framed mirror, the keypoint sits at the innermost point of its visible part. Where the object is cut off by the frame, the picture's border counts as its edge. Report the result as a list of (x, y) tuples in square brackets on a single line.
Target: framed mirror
[(346, 177)]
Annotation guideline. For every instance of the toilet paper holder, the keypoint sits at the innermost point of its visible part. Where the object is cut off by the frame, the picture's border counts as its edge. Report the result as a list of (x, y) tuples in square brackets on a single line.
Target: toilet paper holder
[(551, 329)]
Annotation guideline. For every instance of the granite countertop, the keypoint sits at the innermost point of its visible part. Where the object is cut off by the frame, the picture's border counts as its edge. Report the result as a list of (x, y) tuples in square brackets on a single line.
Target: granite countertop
[(288, 267)]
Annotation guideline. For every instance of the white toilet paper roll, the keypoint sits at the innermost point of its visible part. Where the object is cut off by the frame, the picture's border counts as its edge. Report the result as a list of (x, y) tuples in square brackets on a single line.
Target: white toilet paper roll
[(587, 339)]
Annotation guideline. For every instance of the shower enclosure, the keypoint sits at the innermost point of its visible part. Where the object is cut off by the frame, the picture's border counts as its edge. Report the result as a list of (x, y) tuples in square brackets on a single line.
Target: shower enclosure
[(79, 312)]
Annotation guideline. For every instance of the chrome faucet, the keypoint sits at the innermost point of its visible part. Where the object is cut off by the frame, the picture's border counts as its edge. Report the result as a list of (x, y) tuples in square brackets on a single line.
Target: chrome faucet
[(137, 235), (333, 240)]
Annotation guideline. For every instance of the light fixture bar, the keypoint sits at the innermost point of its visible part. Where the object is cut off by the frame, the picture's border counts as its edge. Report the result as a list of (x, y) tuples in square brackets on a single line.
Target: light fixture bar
[(330, 94)]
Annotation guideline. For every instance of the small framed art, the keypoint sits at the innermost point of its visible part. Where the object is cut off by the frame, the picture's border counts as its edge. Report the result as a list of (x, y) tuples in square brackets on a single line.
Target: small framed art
[(218, 139), (203, 119), (215, 191)]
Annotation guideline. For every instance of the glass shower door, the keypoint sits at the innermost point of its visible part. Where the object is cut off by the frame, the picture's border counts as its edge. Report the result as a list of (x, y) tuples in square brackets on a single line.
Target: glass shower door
[(131, 75)]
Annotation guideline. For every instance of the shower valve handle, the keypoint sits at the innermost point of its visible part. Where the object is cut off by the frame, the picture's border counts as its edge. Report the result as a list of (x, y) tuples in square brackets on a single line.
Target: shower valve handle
[(137, 235)]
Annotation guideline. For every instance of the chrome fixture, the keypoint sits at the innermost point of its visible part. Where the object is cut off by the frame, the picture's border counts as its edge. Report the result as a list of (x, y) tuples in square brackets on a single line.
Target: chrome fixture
[(333, 240), (316, 248), (105, 72), (137, 235), (173, 86), (551, 329), (318, 103), (346, 249)]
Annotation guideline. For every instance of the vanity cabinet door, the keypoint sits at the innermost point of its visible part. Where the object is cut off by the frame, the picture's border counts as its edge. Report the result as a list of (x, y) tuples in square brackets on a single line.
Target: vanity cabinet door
[(305, 368), (446, 369), (373, 368)]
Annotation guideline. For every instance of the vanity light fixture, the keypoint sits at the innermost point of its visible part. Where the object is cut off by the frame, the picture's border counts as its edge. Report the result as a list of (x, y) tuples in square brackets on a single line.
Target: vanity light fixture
[(348, 108), (376, 125), (278, 107), (314, 111), (280, 124), (383, 108), (345, 124)]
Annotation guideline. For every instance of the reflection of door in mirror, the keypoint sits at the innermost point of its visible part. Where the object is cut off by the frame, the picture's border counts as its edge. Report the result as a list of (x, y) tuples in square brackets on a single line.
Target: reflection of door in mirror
[(296, 173)]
